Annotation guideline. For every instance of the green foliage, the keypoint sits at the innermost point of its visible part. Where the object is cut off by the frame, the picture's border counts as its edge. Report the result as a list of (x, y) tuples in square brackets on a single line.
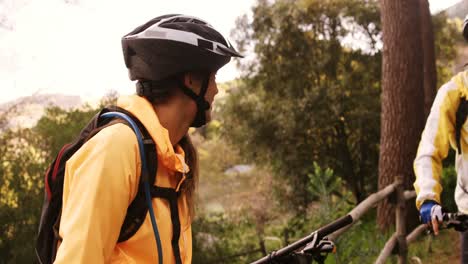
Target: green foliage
[(306, 113), (334, 199), (215, 187), (362, 243), (24, 157), (58, 127), (110, 98), (307, 97), (446, 36), (323, 184), (21, 194), (220, 240), (222, 236), (449, 182)]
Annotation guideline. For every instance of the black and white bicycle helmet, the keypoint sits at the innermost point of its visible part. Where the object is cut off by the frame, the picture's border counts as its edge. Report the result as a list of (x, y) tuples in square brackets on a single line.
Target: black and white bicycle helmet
[(172, 44), (169, 45)]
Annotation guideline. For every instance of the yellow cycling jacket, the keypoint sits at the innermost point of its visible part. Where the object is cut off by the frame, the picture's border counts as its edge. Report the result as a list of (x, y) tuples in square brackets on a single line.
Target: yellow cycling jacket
[(101, 180), (438, 135)]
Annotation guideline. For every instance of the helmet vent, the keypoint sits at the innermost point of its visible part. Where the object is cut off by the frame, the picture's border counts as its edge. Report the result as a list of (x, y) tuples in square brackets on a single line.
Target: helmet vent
[(185, 20), (205, 44), (196, 21), (180, 19)]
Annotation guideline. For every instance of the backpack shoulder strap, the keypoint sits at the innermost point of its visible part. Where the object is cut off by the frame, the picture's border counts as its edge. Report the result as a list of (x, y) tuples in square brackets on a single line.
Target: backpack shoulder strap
[(460, 119), (145, 134), (137, 210)]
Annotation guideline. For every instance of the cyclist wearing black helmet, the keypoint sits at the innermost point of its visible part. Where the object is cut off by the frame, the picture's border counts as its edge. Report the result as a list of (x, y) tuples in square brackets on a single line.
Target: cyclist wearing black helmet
[(446, 126), (173, 59)]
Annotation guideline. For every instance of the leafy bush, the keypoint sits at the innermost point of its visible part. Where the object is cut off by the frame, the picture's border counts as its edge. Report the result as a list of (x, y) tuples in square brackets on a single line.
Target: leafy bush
[(449, 182), (219, 239)]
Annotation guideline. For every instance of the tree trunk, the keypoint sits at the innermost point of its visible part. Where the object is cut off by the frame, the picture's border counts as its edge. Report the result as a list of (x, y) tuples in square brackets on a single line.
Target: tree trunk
[(402, 100), (348, 168), (429, 68)]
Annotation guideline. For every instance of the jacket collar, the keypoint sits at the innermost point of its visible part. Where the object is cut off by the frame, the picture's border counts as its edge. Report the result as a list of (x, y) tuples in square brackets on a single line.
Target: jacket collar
[(144, 111), (461, 80)]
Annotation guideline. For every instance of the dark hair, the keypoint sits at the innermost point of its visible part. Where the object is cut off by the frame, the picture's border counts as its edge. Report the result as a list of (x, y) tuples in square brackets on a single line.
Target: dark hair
[(190, 184), (159, 91)]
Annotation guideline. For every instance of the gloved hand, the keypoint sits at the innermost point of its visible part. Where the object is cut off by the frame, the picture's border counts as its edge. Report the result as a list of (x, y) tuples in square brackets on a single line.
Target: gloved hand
[(431, 214)]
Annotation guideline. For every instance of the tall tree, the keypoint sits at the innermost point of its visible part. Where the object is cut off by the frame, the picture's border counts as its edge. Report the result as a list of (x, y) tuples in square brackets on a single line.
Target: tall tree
[(309, 97), (429, 63), (402, 118)]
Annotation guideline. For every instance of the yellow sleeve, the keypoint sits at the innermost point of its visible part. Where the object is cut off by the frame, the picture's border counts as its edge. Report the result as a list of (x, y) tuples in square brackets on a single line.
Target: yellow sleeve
[(438, 135), (101, 180)]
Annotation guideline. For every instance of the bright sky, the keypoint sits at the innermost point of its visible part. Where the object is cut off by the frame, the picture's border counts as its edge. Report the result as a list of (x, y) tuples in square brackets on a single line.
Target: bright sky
[(73, 46)]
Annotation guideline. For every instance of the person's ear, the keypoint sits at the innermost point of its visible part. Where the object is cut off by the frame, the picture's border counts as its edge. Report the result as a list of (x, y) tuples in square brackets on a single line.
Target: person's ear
[(188, 80), (191, 81)]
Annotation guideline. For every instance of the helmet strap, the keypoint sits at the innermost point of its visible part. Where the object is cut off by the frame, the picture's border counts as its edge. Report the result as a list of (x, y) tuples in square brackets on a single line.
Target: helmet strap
[(202, 104)]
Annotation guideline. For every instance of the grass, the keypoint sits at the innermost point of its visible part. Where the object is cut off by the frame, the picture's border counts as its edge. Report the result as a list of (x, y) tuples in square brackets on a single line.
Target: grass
[(362, 244), (444, 248)]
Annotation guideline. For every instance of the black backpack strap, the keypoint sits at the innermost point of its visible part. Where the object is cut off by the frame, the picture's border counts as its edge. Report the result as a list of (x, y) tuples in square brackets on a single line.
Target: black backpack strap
[(171, 195), (137, 210), (460, 119)]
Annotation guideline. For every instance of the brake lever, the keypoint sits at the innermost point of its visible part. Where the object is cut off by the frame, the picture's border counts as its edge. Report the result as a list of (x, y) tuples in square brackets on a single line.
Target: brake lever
[(457, 221), (323, 246), (319, 249), (460, 225)]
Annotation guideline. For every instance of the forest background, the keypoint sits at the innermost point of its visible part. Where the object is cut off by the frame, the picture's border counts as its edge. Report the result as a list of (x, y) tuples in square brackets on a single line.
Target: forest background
[(294, 145)]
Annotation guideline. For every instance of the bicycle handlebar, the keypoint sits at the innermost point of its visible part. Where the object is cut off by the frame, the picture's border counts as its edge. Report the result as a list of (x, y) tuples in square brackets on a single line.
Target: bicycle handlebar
[(319, 234), (458, 221)]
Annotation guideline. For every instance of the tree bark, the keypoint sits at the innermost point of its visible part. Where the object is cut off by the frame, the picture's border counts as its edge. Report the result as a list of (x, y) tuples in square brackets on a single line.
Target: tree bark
[(429, 65), (402, 101)]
